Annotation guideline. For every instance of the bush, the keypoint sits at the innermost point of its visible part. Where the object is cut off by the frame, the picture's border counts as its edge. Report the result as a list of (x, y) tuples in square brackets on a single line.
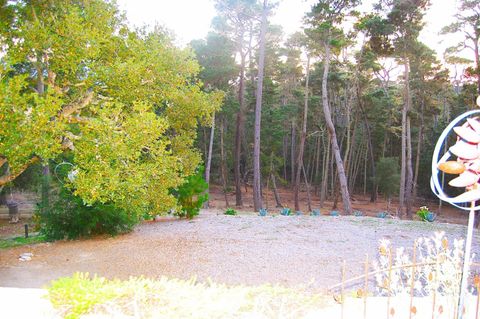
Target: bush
[(68, 217), (425, 215), (189, 194), (231, 212)]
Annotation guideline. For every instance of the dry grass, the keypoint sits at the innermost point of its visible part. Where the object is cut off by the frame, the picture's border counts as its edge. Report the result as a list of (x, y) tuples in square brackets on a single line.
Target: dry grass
[(171, 298)]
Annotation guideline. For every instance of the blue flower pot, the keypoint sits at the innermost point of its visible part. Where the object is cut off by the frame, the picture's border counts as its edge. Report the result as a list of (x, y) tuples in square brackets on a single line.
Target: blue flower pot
[(285, 211), (382, 215), (431, 216)]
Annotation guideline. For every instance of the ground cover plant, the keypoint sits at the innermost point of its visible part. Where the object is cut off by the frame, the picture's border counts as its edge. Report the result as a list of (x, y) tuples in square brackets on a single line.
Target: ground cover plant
[(21, 241), (231, 212), (173, 298)]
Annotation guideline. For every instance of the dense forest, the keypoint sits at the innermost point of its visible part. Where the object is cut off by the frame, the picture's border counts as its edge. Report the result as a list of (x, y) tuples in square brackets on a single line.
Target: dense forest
[(351, 104), (97, 116)]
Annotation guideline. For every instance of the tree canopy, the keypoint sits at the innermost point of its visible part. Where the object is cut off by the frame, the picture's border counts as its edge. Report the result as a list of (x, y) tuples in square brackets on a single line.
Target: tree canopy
[(123, 104)]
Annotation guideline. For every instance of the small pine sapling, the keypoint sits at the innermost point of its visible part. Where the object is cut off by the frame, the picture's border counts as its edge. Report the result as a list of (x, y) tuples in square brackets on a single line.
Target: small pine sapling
[(190, 195)]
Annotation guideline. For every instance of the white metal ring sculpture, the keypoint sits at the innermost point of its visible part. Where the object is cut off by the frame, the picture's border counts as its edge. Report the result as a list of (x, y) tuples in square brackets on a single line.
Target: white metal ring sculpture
[(466, 165)]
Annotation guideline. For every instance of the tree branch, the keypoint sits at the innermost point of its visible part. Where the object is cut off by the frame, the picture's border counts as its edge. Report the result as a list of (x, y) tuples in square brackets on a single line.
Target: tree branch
[(72, 108), (10, 177)]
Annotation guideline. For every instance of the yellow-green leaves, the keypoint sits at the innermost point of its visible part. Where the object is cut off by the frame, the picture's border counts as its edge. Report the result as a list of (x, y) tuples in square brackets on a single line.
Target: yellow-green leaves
[(124, 157), (125, 103), (26, 125)]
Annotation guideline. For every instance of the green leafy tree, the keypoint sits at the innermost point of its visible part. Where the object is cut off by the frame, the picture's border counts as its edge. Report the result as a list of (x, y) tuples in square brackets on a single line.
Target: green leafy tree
[(468, 24), (324, 28), (393, 30), (126, 104)]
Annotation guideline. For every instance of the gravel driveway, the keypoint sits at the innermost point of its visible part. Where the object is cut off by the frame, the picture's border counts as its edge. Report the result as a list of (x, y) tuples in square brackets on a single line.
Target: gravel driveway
[(243, 249)]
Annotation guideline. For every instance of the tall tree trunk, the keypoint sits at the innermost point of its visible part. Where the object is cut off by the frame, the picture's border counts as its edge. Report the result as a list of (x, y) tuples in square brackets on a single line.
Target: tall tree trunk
[(365, 174), (239, 131), (346, 154), (384, 82), (373, 194), (317, 163), (257, 190), (357, 163), (285, 143), (333, 178), (223, 165), (347, 207), (303, 136), (419, 151), (409, 181), (292, 153), (403, 168), (205, 145), (407, 143), (325, 173), (350, 166), (275, 190), (209, 159), (309, 196)]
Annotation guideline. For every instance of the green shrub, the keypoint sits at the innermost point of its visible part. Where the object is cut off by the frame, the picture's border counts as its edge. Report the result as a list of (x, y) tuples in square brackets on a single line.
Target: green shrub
[(189, 194), (231, 212), (425, 215), (68, 217)]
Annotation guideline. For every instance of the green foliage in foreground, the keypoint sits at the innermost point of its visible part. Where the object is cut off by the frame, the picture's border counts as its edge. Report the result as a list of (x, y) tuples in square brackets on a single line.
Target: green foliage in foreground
[(21, 241), (69, 217), (172, 298)]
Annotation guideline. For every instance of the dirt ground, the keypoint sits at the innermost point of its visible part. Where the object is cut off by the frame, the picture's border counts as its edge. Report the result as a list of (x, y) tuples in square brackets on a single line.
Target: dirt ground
[(246, 249), (360, 202)]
